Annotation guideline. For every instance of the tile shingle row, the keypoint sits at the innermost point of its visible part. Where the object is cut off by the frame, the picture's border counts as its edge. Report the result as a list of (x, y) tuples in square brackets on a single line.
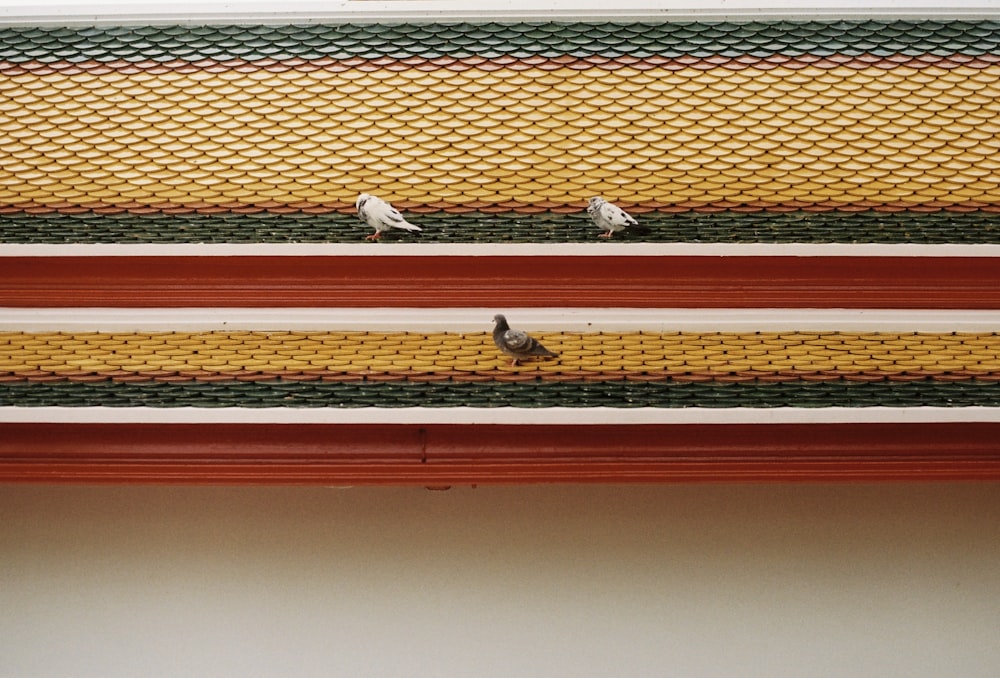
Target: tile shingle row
[(550, 39), (480, 138)]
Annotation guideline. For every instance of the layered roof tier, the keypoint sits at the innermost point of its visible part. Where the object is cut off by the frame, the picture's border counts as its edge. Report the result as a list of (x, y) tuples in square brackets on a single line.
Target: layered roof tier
[(522, 117)]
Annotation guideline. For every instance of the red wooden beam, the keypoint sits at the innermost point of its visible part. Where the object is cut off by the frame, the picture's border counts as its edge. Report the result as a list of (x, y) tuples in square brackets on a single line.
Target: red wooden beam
[(444, 455), (502, 281)]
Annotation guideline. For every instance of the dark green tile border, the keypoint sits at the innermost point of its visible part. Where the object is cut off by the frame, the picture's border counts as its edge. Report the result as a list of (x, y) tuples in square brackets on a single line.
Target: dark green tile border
[(622, 394), (941, 227), (491, 40)]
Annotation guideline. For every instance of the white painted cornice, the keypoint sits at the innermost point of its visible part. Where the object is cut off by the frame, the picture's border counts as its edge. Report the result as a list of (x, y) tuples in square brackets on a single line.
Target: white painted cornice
[(594, 249), (480, 319), (547, 416)]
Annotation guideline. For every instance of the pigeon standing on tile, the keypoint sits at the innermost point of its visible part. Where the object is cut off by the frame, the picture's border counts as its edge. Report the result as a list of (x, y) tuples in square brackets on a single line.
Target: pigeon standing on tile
[(611, 218), (517, 344), (381, 216)]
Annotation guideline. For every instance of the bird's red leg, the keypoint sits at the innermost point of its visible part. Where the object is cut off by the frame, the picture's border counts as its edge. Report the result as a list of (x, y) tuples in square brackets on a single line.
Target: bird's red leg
[(374, 236), (606, 235)]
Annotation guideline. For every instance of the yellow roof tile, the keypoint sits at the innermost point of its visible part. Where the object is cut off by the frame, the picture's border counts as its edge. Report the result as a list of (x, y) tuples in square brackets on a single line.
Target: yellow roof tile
[(737, 113)]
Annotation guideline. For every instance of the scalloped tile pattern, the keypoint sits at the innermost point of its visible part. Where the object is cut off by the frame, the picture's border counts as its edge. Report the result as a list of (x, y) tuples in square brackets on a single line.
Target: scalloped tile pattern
[(727, 226), (899, 39), (280, 392), (501, 116), (440, 357)]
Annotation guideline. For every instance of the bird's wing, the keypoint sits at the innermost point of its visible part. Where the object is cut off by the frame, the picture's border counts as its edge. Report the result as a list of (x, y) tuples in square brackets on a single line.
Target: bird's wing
[(390, 217), (517, 341), (616, 216), (393, 215), (382, 212)]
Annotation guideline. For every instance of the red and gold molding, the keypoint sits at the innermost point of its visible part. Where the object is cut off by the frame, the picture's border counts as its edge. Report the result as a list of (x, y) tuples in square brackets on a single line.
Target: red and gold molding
[(441, 455)]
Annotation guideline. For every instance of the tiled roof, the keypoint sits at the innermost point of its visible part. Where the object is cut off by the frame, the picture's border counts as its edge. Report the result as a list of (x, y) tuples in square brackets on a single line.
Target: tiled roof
[(517, 117), (282, 393), (854, 132), (927, 39), (887, 225), (351, 369), (600, 356)]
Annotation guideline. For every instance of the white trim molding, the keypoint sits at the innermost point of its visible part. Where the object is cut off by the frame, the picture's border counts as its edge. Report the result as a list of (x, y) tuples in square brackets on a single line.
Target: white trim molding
[(542, 416), (595, 249), (563, 319)]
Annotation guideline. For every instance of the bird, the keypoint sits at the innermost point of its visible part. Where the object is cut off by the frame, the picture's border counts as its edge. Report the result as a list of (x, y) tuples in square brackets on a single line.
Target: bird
[(611, 218), (381, 216), (517, 344)]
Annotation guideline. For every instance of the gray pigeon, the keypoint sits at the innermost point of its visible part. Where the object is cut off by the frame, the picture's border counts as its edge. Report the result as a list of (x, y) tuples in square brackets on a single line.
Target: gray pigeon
[(611, 218), (381, 216), (517, 344)]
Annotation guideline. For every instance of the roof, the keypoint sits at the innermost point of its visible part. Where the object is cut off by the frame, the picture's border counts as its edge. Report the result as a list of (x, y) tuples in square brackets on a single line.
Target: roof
[(523, 118), (844, 165)]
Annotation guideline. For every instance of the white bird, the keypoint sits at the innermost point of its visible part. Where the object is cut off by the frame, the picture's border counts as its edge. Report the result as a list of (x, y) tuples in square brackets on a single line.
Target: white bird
[(519, 345), (611, 218), (381, 216)]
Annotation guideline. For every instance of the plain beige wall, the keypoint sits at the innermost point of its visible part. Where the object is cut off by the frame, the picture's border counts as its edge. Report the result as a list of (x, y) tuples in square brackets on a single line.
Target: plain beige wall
[(695, 580)]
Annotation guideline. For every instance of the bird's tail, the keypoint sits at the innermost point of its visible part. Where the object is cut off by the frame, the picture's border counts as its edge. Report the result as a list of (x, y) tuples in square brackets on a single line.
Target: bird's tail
[(543, 352), (407, 226)]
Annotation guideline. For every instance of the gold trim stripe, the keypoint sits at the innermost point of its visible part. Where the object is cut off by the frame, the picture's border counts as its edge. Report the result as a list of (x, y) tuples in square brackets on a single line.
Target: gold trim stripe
[(28, 355), (660, 136)]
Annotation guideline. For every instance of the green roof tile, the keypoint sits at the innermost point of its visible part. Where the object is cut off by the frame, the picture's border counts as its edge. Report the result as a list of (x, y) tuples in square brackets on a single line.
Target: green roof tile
[(619, 394), (529, 38), (941, 227)]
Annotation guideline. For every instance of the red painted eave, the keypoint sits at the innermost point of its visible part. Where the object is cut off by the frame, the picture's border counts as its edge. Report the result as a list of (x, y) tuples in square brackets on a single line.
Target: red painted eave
[(445, 455), (526, 281)]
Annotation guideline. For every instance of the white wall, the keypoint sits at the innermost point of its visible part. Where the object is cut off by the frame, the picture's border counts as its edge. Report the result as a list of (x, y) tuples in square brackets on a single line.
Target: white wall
[(695, 580)]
